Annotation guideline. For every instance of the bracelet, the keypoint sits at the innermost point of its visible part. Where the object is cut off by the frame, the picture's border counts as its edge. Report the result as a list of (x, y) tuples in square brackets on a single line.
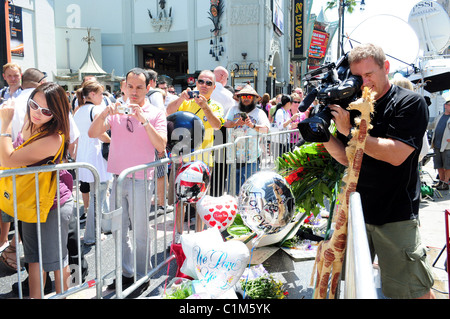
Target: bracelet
[(6, 135), (145, 123)]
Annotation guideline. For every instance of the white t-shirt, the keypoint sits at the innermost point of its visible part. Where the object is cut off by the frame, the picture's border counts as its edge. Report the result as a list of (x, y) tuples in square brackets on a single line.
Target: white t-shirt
[(156, 99), (90, 149), (224, 97), (280, 118), (247, 150)]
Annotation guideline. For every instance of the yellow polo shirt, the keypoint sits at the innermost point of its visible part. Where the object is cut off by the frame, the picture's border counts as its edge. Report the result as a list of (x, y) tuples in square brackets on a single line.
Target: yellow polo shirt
[(217, 109)]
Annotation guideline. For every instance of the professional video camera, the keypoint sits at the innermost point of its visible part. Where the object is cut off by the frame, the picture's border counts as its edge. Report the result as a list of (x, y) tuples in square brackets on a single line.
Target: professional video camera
[(336, 86)]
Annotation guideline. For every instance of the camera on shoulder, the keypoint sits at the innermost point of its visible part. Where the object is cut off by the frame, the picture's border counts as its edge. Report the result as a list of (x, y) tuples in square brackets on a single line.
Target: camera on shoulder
[(330, 84)]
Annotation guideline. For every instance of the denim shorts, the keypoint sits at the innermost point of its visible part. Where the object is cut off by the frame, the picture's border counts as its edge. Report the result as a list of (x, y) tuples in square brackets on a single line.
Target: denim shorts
[(405, 271), (441, 159), (49, 239)]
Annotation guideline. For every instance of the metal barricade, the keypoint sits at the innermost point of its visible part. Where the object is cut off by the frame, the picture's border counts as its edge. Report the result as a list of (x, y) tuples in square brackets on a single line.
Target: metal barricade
[(359, 276), (75, 283), (223, 180)]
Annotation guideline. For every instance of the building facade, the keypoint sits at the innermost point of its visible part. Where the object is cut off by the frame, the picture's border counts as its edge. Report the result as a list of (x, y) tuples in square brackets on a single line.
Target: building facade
[(251, 38)]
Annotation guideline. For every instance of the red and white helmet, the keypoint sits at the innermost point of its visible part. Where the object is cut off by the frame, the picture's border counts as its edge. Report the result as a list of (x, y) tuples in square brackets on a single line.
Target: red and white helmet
[(192, 181)]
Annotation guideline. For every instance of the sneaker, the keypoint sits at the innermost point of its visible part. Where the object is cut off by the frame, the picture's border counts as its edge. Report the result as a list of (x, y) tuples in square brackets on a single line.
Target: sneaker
[(126, 282), (83, 218), (139, 290), (436, 184), (443, 187), (160, 210), (48, 288)]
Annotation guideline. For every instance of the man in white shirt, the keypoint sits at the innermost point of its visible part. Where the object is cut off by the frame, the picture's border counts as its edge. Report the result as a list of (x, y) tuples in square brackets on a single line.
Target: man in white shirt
[(245, 119), (225, 98), (154, 95), (169, 95), (220, 93)]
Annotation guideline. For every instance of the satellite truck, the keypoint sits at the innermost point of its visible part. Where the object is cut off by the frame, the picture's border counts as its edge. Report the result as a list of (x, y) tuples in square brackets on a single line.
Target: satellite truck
[(431, 23)]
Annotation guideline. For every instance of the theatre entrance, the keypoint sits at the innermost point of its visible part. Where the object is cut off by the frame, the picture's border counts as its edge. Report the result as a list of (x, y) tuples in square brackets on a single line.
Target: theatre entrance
[(169, 59)]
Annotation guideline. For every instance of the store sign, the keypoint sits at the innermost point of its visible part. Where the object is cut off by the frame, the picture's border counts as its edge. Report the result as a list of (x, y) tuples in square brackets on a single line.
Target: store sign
[(298, 22), (319, 44), (15, 23)]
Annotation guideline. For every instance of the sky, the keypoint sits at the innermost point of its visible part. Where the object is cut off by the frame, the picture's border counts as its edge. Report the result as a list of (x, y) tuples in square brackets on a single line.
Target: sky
[(383, 22)]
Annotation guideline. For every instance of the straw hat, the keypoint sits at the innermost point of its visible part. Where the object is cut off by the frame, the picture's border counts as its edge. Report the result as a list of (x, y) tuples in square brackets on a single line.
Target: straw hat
[(248, 90)]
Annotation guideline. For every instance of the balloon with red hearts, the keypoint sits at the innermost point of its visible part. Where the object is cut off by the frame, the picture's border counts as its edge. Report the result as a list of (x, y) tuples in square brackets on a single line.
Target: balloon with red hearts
[(218, 212)]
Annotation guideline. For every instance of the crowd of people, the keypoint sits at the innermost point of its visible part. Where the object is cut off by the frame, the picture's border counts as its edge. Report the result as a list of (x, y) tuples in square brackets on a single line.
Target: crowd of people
[(134, 121), (88, 121)]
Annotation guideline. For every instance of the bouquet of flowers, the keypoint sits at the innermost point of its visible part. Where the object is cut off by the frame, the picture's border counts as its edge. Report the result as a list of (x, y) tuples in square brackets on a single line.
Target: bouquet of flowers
[(312, 174), (259, 284)]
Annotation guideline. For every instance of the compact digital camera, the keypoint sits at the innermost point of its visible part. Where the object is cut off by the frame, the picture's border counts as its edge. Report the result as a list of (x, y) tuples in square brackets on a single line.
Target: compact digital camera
[(125, 110), (193, 94)]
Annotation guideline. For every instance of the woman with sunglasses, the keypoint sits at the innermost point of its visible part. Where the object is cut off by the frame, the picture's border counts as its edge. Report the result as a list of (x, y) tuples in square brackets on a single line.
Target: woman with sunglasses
[(283, 121), (47, 114), (296, 100)]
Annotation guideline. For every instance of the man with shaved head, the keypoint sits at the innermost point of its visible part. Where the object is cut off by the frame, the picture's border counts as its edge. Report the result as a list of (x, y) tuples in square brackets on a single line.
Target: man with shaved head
[(224, 97)]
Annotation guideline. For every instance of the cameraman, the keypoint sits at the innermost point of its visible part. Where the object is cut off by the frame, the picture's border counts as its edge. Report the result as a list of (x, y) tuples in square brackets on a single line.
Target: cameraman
[(389, 182)]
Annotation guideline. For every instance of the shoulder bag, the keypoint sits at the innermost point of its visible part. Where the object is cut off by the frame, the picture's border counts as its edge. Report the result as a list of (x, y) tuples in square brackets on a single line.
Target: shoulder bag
[(105, 146), (25, 190)]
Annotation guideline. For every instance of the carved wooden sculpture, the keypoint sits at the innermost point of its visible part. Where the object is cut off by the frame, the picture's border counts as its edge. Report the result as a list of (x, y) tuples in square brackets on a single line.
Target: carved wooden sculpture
[(330, 253)]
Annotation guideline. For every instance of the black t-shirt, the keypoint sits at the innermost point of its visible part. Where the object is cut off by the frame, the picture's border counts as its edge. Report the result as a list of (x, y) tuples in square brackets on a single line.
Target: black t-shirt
[(392, 193)]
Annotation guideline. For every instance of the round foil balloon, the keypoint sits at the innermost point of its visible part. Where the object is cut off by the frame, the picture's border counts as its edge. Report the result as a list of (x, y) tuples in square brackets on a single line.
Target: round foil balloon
[(266, 203), (192, 181), (185, 131)]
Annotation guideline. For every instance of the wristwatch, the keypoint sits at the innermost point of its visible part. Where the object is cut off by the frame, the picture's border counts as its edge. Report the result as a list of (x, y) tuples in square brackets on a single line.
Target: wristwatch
[(350, 135)]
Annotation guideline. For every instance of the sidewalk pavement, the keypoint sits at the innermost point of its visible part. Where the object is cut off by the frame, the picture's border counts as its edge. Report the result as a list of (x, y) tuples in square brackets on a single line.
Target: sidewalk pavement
[(432, 229), (297, 274)]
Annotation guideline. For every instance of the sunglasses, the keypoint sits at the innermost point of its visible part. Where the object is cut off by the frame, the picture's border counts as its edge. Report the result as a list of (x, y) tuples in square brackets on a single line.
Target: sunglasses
[(247, 97), (208, 83), (130, 127), (45, 75), (296, 102), (34, 106)]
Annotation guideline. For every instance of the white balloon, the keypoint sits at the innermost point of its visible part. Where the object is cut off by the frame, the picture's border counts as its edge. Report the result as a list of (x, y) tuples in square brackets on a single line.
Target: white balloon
[(217, 211), (188, 241), (218, 265)]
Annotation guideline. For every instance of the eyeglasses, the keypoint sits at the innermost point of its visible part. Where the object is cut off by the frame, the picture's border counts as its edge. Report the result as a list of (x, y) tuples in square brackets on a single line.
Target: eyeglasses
[(45, 75), (246, 97), (130, 127), (34, 106), (208, 83)]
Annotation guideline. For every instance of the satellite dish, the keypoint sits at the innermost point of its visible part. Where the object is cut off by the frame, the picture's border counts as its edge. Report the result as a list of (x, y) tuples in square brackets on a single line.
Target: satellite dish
[(399, 41), (432, 25)]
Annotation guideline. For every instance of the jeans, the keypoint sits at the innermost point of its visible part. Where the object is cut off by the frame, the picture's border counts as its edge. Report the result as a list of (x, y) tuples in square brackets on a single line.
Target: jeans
[(89, 235), (134, 215), (243, 172)]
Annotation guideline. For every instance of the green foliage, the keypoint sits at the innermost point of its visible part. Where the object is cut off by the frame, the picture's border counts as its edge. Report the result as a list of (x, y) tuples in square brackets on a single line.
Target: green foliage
[(313, 175), (349, 5)]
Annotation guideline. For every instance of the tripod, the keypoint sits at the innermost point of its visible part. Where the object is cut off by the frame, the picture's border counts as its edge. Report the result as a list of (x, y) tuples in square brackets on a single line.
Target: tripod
[(447, 244)]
